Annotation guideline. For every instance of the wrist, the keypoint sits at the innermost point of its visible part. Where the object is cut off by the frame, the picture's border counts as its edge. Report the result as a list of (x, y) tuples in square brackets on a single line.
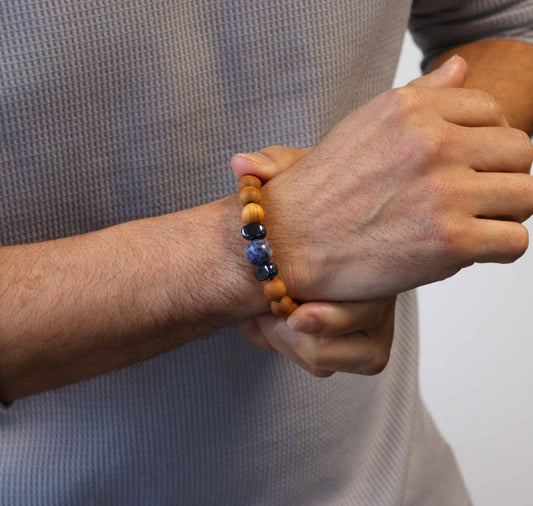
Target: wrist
[(244, 291), (224, 289), (302, 262)]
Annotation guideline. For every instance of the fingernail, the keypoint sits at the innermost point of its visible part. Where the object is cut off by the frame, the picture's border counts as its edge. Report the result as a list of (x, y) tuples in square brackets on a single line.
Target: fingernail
[(306, 324), (258, 158), (449, 62), (287, 334)]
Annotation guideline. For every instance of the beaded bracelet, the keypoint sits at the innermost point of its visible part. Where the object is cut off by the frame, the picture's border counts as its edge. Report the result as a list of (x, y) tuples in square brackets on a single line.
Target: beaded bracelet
[(259, 251)]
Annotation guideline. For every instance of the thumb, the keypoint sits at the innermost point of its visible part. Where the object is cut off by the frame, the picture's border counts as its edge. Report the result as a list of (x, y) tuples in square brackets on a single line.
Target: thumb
[(451, 74), (268, 162)]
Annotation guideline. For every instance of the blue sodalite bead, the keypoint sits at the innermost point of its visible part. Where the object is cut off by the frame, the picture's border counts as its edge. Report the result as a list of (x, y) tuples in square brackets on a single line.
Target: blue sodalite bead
[(258, 252), (266, 272), (254, 231)]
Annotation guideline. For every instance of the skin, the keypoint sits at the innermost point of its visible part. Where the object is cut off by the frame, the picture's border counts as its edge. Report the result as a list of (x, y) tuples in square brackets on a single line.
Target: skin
[(493, 66), (78, 307), (363, 327), (356, 323)]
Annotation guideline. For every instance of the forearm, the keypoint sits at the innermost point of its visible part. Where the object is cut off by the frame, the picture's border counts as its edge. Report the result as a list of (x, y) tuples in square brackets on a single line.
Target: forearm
[(77, 307), (504, 68)]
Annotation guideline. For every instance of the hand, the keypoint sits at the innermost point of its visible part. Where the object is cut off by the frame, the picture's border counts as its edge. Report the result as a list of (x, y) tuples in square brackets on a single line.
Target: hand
[(321, 337), (418, 183)]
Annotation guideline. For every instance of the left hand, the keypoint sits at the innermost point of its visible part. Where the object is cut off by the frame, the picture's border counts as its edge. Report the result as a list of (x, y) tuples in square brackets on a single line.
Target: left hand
[(321, 337)]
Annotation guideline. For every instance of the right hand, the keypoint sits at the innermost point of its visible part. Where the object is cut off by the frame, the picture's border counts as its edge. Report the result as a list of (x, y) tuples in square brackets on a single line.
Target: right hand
[(408, 189), (321, 337)]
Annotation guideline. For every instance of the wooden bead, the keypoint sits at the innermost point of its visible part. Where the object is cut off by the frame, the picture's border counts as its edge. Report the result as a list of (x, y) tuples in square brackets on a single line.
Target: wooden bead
[(275, 289), (284, 307), (252, 213), (250, 194), (249, 180)]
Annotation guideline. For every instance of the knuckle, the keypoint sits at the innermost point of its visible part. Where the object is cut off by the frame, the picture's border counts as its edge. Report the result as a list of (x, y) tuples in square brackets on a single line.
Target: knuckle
[(428, 143), (529, 195), (377, 363), (276, 153), (282, 156), (523, 142), (401, 102), (281, 151), (267, 153), (452, 239), (519, 241), (440, 191), (378, 312), (424, 145), (525, 196), (320, 373), (319, 314), (314, 359), (490, 102), (389, 333)]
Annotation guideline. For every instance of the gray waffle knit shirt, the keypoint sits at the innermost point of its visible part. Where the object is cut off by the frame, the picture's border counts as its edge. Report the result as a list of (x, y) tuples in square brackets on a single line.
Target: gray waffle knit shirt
[(117, 110)]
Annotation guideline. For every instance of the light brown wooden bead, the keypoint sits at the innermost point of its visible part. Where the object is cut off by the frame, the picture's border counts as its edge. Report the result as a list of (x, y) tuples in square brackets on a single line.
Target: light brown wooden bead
[(252, 213), (249, 180), (250, 194), (284, 307), (274, 289)]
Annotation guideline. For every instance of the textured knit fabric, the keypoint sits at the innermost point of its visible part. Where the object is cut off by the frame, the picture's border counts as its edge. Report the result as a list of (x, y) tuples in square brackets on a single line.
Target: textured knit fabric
[(112, 110)]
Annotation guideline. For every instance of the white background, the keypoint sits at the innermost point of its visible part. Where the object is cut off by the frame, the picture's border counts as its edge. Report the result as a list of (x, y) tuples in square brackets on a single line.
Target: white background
[(475, 365)]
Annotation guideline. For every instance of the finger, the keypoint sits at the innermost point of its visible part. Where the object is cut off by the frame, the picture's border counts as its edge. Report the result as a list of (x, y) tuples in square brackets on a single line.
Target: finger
[(249, 329), (467, 107), (496, 241), (451, 74), (502, 196), (358, 353), (496, 149), (268, 162), (339, 318), (459, 106), (277, 331)]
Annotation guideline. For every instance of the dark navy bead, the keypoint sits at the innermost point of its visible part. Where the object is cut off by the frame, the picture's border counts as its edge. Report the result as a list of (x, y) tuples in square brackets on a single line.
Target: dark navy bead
[(254, 231), (266, 272), (258, 252)]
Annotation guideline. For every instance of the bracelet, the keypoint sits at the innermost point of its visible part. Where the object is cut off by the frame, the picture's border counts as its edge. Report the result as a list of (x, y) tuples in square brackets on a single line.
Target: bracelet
[(259, 251)]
